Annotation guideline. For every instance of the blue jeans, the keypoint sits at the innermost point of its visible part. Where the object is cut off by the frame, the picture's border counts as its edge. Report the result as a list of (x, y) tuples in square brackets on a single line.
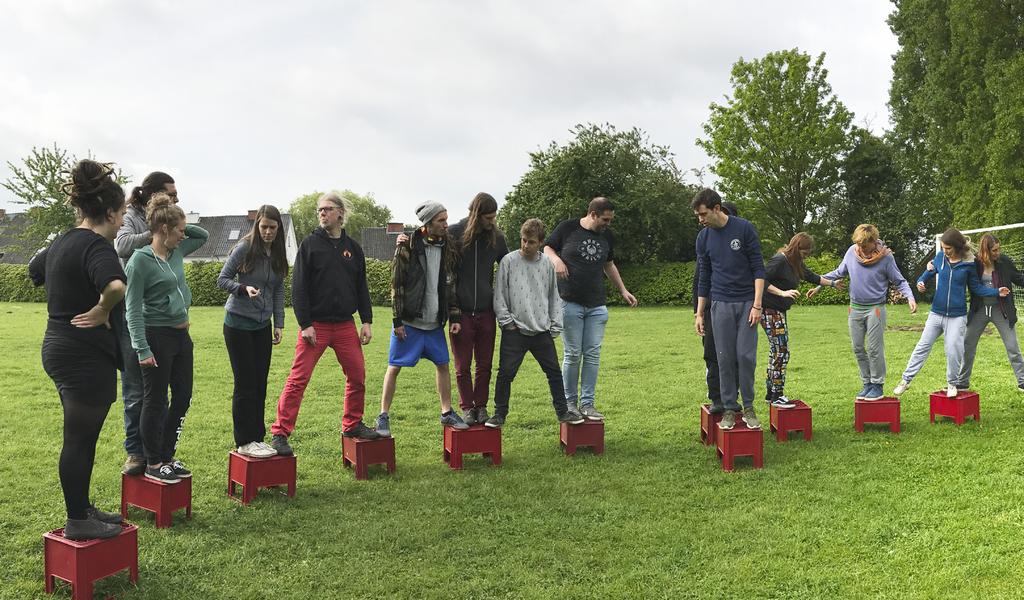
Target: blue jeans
[(131, 393), (582, 334)]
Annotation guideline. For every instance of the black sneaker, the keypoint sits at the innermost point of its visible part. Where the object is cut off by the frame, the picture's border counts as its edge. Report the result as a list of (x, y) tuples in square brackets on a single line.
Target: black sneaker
[(280, 443), (495, 422), (179, 469), (163, 474), (591, 413), (102, 515), (90, 529), (571, 417), (481, 415), (782, 402), (469, 416), (361, 431)]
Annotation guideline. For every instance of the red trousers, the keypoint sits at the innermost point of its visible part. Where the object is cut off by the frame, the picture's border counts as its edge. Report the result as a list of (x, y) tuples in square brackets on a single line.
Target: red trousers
[(476, 338), (344, 340)]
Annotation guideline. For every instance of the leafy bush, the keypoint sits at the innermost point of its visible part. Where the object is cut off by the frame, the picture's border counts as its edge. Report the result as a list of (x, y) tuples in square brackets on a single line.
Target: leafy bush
[(15, 286), (655, 283)]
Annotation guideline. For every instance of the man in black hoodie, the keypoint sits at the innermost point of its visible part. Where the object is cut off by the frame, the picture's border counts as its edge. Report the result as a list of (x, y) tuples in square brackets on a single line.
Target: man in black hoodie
[(480, 246), (328, 286)]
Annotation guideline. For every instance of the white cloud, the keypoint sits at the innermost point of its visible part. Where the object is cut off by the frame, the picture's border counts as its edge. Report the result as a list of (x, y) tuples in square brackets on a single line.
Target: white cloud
[(256, 102)]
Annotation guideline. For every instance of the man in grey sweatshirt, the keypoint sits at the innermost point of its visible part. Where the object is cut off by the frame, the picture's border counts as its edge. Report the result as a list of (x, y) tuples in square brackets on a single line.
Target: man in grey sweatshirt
[(529, 312)]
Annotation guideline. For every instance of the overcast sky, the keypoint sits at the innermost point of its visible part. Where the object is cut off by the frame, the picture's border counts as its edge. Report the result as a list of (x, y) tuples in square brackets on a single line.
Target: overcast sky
[(254, 102)]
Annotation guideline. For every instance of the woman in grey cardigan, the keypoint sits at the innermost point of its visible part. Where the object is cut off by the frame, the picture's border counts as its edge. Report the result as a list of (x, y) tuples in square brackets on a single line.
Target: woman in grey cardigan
[(254, 275)]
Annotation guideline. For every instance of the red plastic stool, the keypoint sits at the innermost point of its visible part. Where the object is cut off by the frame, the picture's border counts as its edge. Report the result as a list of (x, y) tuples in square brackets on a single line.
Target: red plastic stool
[(360, 454), (965, 404), (708, 424), (476, 439), (783, 420), (82, 563), (886, 410), (156, 497), (739, 441), (586, 434), (255, 473)]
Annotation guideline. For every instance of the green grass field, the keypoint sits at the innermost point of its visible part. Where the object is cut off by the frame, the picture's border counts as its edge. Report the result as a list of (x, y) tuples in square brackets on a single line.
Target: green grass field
[(935, 511)]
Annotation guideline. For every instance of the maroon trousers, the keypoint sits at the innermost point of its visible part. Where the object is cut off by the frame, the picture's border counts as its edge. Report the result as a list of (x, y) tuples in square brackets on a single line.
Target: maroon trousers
[(476, 339)]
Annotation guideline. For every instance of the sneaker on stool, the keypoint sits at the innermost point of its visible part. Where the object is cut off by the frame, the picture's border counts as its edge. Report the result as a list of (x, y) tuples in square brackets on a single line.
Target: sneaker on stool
[(496, 421), (874, 392), (728, 420), (163, 474), (361, 431), (951, 391), (750, 418), (469, 416), (101, 515), (179, 469), (782, 402), (256, 450), (571, 417), (453, 420), (863, 393), (280, 443), (134, 465), (591, 413), (481, 415), (90, 529)]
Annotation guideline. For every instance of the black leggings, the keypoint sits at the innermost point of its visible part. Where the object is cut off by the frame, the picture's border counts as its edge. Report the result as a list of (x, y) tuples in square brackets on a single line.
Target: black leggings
[(161, 427), (86, 382), (249, 352)]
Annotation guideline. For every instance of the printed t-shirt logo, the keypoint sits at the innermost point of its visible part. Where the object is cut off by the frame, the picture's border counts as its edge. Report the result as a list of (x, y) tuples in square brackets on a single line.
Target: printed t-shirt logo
[(590, 250), (347, 253), (735, 244)]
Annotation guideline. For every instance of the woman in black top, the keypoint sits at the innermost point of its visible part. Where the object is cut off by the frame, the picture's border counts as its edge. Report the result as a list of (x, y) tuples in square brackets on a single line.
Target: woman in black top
[(783, 273), (80, 352)]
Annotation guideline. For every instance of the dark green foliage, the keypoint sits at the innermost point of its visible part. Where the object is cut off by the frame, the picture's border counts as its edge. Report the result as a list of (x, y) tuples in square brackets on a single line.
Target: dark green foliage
[(15, 286), (655, 283), (653, 220)]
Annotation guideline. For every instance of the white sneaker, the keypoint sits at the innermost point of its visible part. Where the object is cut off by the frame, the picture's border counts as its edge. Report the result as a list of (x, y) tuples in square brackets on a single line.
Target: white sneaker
[(901, 387), (951, 391), (254, 450), (268, 448)]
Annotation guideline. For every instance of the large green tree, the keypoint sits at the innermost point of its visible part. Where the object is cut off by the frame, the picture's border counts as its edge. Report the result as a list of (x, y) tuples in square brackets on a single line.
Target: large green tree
[(653, 220), (957, 102), (362, 211), (37, 183), (778, 140)]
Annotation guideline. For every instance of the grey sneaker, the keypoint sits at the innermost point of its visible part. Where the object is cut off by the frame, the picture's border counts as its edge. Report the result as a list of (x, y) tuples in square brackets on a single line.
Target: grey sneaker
[(571, 417), (481, 415), (383, 425), (90, 529), (361, 431), (280, 443), (453, 420), (495, 422), (728, 420), (591, 413), (103, 516), (134, 465), (469, 416), (750, 418)]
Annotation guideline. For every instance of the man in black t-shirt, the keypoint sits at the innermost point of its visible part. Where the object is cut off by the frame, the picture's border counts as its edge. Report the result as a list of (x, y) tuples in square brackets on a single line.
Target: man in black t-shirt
[(582, 252)]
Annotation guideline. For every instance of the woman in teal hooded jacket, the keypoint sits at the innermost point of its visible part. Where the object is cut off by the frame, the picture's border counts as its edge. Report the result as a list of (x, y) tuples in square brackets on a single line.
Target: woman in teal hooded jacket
[(954, 272), (157, 304)]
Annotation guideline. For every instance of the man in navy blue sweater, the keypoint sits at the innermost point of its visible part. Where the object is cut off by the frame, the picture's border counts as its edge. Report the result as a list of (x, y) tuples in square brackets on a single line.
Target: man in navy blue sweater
[(730, 271)]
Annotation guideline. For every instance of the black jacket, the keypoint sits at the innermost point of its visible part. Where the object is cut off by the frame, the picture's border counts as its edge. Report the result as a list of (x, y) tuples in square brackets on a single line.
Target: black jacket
[(779, 272), (409, 281), (329, 280), (1004, 275), (475, 290)]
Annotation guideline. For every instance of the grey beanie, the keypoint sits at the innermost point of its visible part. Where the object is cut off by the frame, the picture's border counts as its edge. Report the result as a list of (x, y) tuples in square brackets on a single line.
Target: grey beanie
[(428, 210)]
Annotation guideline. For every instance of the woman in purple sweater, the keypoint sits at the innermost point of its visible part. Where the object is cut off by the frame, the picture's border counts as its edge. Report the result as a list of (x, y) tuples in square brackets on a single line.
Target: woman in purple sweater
[(871, 268)]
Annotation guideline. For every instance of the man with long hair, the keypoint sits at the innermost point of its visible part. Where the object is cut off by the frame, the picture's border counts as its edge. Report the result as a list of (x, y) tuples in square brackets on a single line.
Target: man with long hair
[(480, 246)]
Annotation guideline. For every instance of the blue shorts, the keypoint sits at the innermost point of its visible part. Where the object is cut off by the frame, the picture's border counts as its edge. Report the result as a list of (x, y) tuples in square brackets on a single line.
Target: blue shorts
[(419, 343)]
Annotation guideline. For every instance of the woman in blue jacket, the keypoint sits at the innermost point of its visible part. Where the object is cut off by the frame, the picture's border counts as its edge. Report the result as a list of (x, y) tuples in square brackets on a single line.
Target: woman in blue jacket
[(954, 271)]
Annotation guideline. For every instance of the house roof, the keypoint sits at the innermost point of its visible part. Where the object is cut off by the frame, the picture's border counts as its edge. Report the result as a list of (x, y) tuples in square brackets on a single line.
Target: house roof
[(377, 243), (11, 244), (225, 231)]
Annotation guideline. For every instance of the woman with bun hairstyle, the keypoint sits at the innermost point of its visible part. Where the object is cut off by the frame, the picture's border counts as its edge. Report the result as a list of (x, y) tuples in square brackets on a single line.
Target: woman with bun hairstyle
[(157, 304), (135, 234), (80, 351), (954, 272), (254, 275), (995, 270)]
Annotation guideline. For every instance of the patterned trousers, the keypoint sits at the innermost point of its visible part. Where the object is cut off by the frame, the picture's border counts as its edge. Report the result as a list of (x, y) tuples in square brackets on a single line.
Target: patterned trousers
[(774, 324)]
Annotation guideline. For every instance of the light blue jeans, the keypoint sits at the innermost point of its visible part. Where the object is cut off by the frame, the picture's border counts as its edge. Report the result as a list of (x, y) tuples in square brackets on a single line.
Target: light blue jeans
[(582, 334), (953, 330)]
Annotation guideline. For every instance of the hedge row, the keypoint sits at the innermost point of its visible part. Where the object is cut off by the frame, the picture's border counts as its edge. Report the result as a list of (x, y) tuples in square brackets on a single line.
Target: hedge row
[(653, 284)]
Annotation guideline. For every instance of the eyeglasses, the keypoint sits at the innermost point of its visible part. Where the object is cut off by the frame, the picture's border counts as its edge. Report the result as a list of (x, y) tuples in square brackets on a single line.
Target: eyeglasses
[(325, 209)]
